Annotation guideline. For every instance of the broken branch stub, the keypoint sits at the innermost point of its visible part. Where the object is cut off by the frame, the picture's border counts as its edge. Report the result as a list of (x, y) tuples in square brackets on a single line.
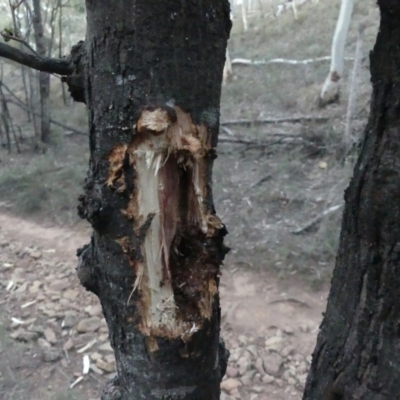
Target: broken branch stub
[(180, 235)]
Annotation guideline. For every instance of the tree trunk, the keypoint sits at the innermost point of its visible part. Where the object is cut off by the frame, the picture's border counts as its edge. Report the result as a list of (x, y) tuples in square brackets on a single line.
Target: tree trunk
[(330, 91), (153, 83), (358, 348), (44, 78)]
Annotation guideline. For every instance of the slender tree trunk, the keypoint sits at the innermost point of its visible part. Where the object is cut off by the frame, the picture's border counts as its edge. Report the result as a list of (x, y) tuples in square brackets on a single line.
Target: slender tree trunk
[(153, 82), (228, 72), (330, 91), (348, 138), (358, 348), (244, 16), (44, 78)]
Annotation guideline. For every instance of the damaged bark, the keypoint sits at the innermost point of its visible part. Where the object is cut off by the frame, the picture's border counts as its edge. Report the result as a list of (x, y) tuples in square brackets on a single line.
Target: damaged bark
[(152, 85), (358, 348)]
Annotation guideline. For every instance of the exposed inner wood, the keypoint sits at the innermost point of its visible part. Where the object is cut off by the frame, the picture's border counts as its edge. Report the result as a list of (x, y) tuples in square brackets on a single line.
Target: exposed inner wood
[(168, 153)]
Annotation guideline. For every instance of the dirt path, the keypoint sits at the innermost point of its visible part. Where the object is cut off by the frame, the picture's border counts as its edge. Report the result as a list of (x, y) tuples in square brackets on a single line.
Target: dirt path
[(50, 323)]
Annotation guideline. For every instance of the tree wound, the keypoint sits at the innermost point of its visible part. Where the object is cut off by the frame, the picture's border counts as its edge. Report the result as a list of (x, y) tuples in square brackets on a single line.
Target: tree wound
[(177, 275)]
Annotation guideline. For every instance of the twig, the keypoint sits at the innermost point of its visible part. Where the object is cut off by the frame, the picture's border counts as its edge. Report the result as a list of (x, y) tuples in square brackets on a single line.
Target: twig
[(293, 120), (8, 37), (227, 131), (60, 124), (316, 219)]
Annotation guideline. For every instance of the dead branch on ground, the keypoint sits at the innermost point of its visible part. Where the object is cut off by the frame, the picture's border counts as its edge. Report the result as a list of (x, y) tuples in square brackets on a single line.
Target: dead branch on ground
[(246, 61), (316, 219), (293, 120)]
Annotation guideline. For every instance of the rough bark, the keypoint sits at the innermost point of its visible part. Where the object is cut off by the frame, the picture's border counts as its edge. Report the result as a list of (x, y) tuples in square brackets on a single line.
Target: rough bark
[(153, 82), (330, 91), (358, 348), (44, 78)]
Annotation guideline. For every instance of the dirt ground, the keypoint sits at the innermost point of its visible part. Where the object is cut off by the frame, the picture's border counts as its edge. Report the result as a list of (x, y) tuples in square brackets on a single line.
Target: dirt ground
[(269, 325)]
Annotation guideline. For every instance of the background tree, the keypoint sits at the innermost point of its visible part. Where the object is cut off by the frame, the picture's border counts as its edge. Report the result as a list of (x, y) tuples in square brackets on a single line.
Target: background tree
[(44, 78), (357, 352), (150, 74), (330, 91)]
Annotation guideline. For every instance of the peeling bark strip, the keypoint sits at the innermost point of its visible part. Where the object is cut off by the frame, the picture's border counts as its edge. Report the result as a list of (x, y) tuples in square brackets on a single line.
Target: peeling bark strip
[(152, 86)]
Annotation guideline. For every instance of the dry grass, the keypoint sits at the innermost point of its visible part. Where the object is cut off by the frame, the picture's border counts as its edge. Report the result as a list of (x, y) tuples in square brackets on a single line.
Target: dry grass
[(45, 186)]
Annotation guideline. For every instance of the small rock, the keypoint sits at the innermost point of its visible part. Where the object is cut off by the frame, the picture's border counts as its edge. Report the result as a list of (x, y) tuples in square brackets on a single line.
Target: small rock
[(272, 364), (37, 329), (257, 389), (230, 384), (273, 342), (83, 339), (110, 359), (50, 336), (43, 343), (95, 356), (104, 365), (35, 254), (35, 287), (225, 396), (60, 285), (242, 340), (302, 378), (259, 366), (235, 393), (51, 355), (96, 369), (106, 347), (302, 368), (244, 364), (288, 330), (70, 294), (23, 336), (291, 381), (68, 345), (288, 350), (268, 379), (252, 349), (69, 320), (247, 378), (232, 372), (88, 325), (94, 310), (279, 382)]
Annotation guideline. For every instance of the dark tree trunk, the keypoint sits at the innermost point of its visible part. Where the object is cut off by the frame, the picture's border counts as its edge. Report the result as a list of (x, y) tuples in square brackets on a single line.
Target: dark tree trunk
[(358, 349), (44, 78), (153, 82)]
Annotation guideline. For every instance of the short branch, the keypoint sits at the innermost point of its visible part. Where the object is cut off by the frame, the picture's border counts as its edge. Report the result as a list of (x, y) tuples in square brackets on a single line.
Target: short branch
[(45, 64)]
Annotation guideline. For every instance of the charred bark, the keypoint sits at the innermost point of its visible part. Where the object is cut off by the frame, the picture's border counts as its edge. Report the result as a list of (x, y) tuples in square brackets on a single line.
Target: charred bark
[(358, 348), (153, 82)]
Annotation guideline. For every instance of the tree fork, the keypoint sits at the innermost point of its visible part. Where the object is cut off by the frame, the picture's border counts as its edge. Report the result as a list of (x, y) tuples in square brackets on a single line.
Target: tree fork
[(358, 347), (152, 74)]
